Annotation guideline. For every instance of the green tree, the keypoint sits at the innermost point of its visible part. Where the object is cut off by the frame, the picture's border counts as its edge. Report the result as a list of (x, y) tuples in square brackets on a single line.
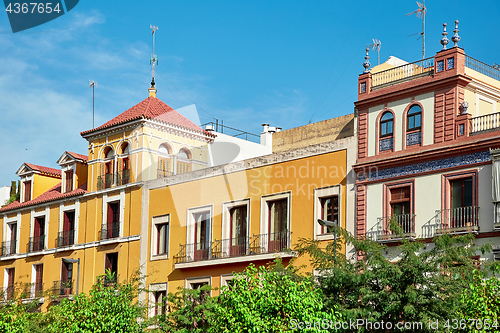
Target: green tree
[(413, 282)]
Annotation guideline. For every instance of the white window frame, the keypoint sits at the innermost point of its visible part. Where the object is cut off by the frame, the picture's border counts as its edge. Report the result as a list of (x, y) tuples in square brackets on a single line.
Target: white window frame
[(63, 209), (69, 167), (153, 288), (224, 278), (162, 219), (6, 229), (120, 198), (190, 236), (226, 219), (320, 193), (33, 279), (24, 179), (201, 279), (46, 215), (6, 280), (264, 211)]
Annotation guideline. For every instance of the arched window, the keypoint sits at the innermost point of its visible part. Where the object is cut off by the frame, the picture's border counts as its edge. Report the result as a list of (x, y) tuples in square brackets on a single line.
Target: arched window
[(108, 152), (183, 161), (165, 149), (123, 176), (125, 148), (386, 124), (184, 154), (414, 118), (164, 162)]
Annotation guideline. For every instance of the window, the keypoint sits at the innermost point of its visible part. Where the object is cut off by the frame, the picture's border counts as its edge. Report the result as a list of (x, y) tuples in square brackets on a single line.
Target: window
[(386, 124), (10, 245), (183, 163), (27, 190), (66, 283), (160, 302), (238, 231), (278, 223), (329, 212), (162, 238), (400, 201), (9, 292), (461, 193), (67, 235), (197, 283), (37, 242), (414, 118), (160, 229), (202, 235), (461, 211), (38, 280), (112, 227), (69, 180), (111, 266)]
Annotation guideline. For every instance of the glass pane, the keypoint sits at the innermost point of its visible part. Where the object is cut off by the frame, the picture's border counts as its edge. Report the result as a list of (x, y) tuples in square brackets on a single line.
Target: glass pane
[(383, 129), (411, 122), (386, 116), (467, 192), (389, 127), (415, 109), (417, 120), (397, 209), (456, 194)]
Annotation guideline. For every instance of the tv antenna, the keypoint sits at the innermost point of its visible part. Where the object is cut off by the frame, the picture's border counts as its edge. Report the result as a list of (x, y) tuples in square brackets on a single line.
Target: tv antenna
[(154, 59), (377, 44), (420, 13), (92, 84)]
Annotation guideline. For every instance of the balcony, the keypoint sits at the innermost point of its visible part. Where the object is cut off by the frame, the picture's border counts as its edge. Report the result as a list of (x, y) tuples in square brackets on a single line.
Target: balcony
[(485, 123), (32, 290), (105, 181), (404, 73), (66, 238), (393, 228), (63, 287), (459, 220), (9, 248), (225, 249), (110, 231), (482, 68), (36, 244), (123, 177)]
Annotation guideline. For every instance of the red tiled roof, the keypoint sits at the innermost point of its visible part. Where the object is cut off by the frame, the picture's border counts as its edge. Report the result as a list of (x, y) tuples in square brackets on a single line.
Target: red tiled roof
[(79, 156), (44, 170), (151, 108), (51, 195)]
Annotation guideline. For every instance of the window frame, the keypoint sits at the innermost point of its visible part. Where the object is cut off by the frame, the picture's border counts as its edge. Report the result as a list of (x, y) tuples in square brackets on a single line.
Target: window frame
[(265, 211), (7, 233), (227, 207), (153, 289), (381, 122), (45, 214), (189, 282), (408, 116), (155, 222), (191, 226), (319, 194), (446, 186)]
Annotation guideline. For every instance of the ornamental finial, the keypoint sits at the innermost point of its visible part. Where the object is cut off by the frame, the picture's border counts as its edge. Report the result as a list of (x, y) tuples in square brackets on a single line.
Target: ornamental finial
[(456, 38), (366, 64), (444, 41)]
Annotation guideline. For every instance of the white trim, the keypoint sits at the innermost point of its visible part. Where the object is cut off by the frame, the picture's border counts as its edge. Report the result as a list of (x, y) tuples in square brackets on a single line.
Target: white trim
[(154, 241), (480, 96), (226, 219), (224, 278), (242, 259), (120, 198), (46, 215), (201, 279), (6, 231), (264, 210), (320, 193), (153, 288), (190, 223), (76, 208)]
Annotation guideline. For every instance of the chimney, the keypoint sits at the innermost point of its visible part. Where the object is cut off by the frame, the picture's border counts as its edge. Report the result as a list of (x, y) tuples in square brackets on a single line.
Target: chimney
[(209, 128), (278, 129), (266, 137)]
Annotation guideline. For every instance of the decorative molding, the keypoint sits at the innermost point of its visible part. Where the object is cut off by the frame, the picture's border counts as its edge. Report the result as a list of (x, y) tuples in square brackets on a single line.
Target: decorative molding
[(386, 144), (413, 138), (444, 163)]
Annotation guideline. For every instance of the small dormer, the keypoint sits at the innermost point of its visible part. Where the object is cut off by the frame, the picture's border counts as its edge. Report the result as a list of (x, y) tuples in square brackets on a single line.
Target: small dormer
[(74, 171), (36, 180)]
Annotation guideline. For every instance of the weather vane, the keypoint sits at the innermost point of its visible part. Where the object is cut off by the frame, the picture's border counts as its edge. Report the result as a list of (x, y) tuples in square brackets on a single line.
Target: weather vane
[(154, 59), (420, 13)]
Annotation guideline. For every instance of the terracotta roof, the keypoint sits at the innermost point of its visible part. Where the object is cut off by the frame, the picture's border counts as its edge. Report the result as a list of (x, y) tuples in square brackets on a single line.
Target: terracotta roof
[(152, 108), (51, 195), (79, 156), (45, 170)]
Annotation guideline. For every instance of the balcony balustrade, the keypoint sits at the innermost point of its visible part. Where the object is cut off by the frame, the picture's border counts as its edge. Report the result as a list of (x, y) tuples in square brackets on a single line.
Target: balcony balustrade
[(485, 122), (110, 231), (66, 238), (9, 248), (36, 244), (123, 177), (404, 73), (63, 287), (386, 229), (105, 181), (458, 220)]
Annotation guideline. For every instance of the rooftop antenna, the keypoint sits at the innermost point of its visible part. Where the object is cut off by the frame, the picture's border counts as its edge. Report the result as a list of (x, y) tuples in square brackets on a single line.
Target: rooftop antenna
[(154, 59), (92, 84), (420, 13), (377, 44)]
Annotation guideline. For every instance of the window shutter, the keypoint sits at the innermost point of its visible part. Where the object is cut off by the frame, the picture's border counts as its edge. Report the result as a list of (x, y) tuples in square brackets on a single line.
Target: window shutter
[(11, 274), (64, 271), (109, 220), (400, 195), (66, 226), (39, 274)]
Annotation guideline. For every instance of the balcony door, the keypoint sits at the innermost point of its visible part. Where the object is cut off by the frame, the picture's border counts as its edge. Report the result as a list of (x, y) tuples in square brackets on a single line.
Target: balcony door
[(238, 240), (401, 208), (66, 278), (462, 202), (68, 228), (113, 220), (202, 235), (39, 234), (278, 217)]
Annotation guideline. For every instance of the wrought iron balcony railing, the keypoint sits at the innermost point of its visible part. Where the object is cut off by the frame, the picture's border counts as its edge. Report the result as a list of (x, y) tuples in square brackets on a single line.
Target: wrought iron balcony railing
[(63, 287), (395, 227), (163, 173), (123, 177), (9, 248), (404, 73), (482, 68), (36, 244), (234, 247), (109, 231), (458, 220), (66, 238), (105, 181)]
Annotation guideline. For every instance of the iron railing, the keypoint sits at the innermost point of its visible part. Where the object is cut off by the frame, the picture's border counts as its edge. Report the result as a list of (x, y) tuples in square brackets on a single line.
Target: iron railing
[(31, 290), (36, 244), (482, 68), (403, 73), (385, 231), (123, 177), (105, 181), (220, 127), (63, 287), (109, 231), (162, 173), (459, 220), (234, 247), (9, 248), (485, 122), (66, 238)]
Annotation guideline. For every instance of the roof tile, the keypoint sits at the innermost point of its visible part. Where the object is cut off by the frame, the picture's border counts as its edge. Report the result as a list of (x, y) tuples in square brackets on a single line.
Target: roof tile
[(44, 170)]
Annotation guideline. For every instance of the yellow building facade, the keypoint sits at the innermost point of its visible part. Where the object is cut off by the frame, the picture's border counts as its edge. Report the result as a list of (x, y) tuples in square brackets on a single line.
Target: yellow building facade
[(146, 198)]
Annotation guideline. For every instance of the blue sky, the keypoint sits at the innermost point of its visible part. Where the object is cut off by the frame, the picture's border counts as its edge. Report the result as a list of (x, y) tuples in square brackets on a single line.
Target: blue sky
[(244, 62)]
